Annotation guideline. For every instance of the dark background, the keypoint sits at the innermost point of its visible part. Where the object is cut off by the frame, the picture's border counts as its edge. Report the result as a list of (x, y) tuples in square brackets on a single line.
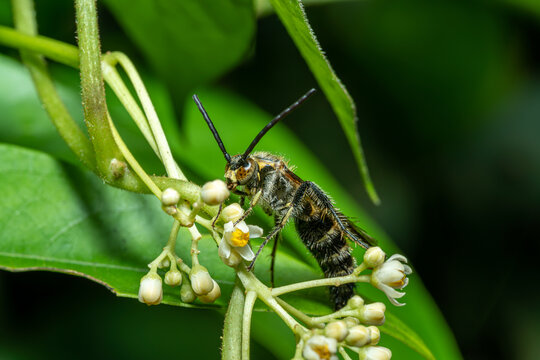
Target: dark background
[(448, 96)]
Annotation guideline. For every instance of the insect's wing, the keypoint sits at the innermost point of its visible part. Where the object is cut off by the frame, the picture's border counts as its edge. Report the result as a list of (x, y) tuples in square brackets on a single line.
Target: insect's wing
[(361, 237)]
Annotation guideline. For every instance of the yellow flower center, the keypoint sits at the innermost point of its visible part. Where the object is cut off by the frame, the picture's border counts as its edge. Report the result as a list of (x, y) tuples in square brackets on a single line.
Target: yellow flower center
[(322, 351), (239, 238)]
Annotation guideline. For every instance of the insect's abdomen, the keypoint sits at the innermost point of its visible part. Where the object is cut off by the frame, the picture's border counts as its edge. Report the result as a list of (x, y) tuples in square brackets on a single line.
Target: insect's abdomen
[(327, 243)]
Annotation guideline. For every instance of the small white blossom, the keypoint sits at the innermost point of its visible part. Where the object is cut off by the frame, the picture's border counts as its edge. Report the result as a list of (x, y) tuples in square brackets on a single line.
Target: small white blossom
[(358, 336), (232, 212), (186, 292), (374, 334), (391, 275), (374, 257), (214, 192), (319, 347), (170, 197), (173, 278), (234, 245), (337, 330), (150, 289), (212, 295), (373, 314), (375, 353), (355, 302), (201, 281)]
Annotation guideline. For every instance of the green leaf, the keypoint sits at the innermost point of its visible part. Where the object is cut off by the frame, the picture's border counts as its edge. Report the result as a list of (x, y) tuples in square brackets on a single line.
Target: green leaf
[(293, 17), (188, 42)]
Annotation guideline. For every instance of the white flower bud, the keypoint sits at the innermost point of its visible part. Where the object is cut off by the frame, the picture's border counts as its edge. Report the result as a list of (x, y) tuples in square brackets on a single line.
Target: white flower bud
[(232, 212), (374, 334), (170, 210), (374, 257), (214, 192), (375, 353), (170, 197), (173, 278), (337, 330), (201, 281), (319, 347), (358, 336), (212, 295), (150, 289), (186, 292), (351, 321), (355, 302), (165, 263), (373, 314)]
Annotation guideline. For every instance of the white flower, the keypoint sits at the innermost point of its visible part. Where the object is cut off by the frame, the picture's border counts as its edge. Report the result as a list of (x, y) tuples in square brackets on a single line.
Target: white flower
[(150, 289), (212, 295), (319, 347), (337, 330), (358, 336), (170, 197), (373, 314), (201, 281), (374, 257), (375, 353), (214, 192), (232, 212), (234, 245), (391, 275)]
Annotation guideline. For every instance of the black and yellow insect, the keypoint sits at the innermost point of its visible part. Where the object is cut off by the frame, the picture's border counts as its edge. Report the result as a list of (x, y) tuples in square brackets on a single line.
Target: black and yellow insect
[(267, 181)]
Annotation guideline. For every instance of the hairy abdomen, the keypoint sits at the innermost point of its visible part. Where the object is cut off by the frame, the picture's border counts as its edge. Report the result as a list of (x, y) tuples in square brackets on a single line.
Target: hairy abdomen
[(325, 240)]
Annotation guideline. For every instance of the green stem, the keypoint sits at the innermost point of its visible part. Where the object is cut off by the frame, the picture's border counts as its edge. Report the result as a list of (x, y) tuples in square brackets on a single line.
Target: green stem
[(22, 39), (93, 90), (24, 19), (232, 329), (251, 297), (297, 313), (335, 281)]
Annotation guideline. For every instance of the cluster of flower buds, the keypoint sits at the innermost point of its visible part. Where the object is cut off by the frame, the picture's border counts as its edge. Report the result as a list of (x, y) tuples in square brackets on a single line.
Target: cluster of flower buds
[(388, 275), (355, 327)]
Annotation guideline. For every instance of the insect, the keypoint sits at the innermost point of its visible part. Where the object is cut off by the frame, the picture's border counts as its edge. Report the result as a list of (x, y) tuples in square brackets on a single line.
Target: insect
[(267, 181)]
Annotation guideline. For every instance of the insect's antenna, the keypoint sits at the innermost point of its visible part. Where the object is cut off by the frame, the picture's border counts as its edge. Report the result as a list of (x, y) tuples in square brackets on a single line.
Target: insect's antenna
[(212, 128), (275, 120)]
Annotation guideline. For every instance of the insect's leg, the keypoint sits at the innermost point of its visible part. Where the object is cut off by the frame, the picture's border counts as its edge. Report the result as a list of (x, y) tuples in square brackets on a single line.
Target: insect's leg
[(272, 233), (252, 204), (217, 215), (273, 259)]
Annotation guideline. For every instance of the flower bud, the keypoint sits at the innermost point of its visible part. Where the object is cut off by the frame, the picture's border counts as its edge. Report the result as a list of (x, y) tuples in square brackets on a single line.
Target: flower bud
[(374, 257), (351, 321), (373, 314), (374, 334), (358, 336), (232, 212), (201, 281), (170, 197), (337, 330), (186, 292), (319, 347), (355, 302), (375, 353), (150, 289), (214, 192), (165, 263), (173, 278), (212, 295)]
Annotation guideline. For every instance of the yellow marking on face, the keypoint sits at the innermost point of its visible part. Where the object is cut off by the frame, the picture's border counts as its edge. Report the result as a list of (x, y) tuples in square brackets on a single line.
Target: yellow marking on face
[(239, 238)]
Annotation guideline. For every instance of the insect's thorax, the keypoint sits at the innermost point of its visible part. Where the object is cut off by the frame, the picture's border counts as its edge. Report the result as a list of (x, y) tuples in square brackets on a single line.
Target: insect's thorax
[(276, 181)]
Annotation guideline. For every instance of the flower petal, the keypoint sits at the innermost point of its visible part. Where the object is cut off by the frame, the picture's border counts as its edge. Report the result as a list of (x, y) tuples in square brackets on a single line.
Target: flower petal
[(245, 252), (224, 249), (255, 231), (228, 227), (242, 226)]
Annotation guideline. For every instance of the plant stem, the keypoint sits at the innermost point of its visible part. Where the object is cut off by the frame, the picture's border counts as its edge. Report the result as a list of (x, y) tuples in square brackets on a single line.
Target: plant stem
[(232, 329), (92, 89), (335, 281), (297, 313), (251, 297), (24, 19)]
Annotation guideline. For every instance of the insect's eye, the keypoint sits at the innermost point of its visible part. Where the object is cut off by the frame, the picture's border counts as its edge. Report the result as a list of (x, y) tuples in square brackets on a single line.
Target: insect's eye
[(247, 165)]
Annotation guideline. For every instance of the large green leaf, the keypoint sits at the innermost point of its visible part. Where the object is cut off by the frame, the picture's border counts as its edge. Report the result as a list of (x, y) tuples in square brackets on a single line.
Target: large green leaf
[(188, 42), (291, 13)]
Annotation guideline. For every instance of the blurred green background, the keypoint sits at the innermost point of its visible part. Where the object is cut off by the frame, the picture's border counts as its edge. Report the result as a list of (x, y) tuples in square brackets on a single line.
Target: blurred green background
[(448, 95)]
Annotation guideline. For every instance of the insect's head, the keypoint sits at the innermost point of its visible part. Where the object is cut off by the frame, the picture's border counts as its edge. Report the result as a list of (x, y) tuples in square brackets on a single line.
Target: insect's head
[(242, 168)]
